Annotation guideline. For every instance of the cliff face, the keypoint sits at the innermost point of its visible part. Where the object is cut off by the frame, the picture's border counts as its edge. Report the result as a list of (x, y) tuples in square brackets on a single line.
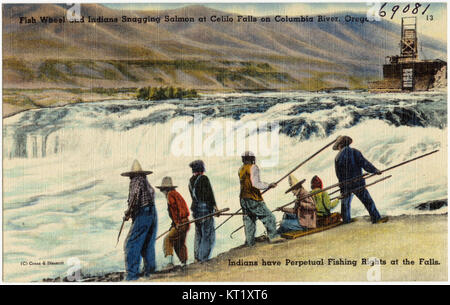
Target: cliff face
[(210, 55)]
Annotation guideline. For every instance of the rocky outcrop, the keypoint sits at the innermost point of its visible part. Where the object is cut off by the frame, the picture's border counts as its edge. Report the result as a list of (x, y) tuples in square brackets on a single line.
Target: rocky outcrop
[(432, 205)]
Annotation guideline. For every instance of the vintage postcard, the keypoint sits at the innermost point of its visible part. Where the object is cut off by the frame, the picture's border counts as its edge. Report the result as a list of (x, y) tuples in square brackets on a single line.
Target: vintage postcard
[(224, 142)]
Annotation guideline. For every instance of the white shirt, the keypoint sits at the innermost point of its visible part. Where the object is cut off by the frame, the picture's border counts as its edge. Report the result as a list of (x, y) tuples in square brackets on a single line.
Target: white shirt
[(256, 180)]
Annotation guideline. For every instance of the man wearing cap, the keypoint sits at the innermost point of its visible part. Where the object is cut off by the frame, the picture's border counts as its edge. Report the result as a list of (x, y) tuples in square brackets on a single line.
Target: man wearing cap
[(349, 163), (203, 203), (140, 241), (251, 199), (179, 213)]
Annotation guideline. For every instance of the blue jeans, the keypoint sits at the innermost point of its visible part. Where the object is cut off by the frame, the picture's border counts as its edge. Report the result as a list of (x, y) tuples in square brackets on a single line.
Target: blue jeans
[(205, 234), (364, 196), (140, 243), (290, 223), (257, 210)]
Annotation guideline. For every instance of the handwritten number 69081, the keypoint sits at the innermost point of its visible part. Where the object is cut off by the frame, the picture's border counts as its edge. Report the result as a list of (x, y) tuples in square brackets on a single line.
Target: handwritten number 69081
[(382, 12)]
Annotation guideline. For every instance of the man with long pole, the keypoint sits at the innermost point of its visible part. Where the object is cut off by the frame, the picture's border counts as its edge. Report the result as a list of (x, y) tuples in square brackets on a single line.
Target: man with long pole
[(179, 214), (251, 199), (349, 163), (282, 178)]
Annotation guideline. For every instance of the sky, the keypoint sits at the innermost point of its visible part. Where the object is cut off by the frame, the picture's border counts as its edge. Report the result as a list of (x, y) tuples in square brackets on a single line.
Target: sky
[(436, 28)]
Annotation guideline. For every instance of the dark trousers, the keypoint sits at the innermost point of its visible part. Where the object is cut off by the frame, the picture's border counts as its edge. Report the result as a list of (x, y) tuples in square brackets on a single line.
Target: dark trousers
[(205, 233), (364, 196)]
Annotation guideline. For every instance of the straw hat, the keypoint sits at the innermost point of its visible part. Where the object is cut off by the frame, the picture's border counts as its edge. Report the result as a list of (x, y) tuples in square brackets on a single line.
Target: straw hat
[(166, 183), (294, 184), (136, 169), (345, 140)]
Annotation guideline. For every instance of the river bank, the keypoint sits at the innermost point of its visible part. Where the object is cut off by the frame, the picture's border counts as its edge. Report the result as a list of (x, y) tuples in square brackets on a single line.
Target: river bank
[(409, 248), (18, 100)]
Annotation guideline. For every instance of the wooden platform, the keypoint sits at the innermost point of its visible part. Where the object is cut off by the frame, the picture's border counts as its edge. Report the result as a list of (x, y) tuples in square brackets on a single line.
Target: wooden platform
[(297, 234)]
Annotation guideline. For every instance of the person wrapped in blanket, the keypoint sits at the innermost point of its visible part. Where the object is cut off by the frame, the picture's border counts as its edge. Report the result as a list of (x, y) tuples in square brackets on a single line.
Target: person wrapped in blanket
[(303, 216)]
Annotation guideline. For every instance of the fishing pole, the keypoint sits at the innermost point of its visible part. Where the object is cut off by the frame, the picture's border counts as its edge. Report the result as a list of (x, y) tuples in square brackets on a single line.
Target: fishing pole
[(364, 176), (195, 220), (360, 188), (308, 195), (282, 178), (368, 175)]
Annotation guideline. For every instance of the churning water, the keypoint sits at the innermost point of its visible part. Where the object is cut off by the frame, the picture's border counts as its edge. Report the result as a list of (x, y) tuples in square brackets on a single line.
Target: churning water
[(63, 196)]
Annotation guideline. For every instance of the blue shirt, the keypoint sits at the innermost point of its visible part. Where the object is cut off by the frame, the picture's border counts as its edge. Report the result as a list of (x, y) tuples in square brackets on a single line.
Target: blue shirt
[(348, 164)]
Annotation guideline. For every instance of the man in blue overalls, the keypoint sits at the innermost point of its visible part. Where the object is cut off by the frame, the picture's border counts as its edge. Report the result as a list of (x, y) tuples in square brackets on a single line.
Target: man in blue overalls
[(349, 163), (140, 242), (203, 203)]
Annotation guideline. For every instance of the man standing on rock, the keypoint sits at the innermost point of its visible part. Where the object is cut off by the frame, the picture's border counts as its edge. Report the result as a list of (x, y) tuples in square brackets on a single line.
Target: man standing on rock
[(349, 163), (203, 203), (179, 213), (140, 242), (251, 200)]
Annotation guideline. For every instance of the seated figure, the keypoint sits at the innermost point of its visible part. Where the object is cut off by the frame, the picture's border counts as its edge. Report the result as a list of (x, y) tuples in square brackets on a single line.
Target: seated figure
[(303, 215), (324, 205)]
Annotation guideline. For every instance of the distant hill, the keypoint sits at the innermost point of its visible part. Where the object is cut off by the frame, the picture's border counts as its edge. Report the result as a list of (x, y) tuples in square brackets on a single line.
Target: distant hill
[(309, 55)]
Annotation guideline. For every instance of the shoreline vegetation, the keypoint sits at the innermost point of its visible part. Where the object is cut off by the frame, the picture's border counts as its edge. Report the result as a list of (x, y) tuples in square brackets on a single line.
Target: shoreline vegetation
[(337, 254), (37, 83), (164, 93)]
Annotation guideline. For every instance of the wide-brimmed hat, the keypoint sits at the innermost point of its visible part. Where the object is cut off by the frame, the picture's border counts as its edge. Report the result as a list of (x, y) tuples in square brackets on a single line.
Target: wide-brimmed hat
[(166, 183), (294, 183), (344, 140), (136, 169)]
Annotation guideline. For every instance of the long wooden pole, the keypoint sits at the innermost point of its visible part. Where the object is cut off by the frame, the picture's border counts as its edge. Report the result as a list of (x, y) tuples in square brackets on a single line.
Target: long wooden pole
[(306, 196), (301, 164), (284, 177), (368, 175), (360, 188), (315, 193), (196, 219), (364, 176)]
